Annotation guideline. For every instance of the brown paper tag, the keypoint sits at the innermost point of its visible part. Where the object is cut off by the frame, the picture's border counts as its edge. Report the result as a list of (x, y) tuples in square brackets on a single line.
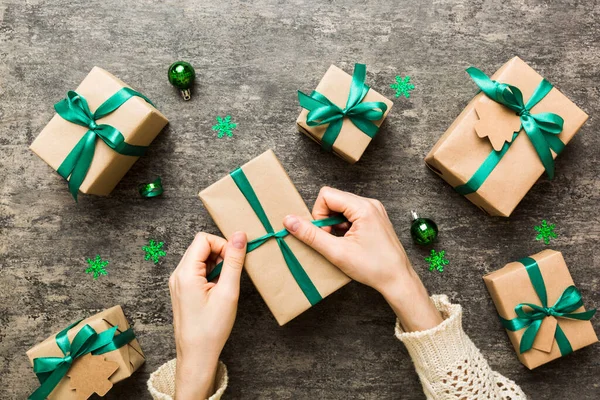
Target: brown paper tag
[(545, 336), (496, 122), (89, 374)]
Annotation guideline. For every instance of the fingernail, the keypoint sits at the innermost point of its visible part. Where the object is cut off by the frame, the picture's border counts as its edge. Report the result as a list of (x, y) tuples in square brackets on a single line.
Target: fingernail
[(238, 240), (291, 223)]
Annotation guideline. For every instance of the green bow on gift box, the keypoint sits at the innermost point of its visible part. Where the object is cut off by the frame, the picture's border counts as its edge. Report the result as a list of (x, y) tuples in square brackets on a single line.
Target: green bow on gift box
[(322, 111), (530, 316), (75, 109), (542, 129), (51, 370)]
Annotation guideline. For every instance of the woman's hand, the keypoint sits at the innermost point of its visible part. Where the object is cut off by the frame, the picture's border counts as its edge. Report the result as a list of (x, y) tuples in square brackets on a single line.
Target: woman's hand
[(204, 312), (369, 252)]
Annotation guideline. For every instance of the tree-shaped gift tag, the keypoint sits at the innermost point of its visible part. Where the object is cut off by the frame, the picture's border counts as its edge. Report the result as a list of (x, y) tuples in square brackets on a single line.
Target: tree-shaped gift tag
[(89, 374), (496, 122)]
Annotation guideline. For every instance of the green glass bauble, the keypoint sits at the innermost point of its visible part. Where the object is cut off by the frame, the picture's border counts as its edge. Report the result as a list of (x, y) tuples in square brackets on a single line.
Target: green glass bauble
[(182, 75), (423, 230)]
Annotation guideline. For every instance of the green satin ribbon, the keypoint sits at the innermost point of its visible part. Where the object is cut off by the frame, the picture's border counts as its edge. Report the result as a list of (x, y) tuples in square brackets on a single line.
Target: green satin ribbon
[(322, 111), (151, 189), (75, 109), (541, 128), (298, 272), (51, 370), (530, 316)]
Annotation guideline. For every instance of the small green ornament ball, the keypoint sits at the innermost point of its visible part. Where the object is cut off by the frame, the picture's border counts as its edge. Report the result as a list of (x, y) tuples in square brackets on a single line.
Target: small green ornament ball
[(182, 75), (423, 230)]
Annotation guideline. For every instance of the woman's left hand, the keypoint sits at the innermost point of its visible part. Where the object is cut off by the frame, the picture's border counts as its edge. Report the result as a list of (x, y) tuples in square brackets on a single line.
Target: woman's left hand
[(204, 312)]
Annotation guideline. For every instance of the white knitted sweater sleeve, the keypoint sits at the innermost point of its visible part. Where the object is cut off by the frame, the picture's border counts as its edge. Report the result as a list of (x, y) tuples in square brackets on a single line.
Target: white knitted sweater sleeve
[(448, 363), (162, 381)]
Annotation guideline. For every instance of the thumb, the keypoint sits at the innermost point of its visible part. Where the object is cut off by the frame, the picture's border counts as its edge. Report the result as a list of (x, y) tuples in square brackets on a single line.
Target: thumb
[(321, 241), (233, 262)]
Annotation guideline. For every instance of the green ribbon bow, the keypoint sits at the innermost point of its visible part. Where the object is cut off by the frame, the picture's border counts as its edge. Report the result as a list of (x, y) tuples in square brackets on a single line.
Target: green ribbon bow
[(75, 109), (51, 370), (541, 128), (322, 111), (299, 274), (530, 316)]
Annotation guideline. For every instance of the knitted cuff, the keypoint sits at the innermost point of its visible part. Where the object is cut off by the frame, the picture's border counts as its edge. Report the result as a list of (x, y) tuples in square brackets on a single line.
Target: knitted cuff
[(442, 344), (162, 381)]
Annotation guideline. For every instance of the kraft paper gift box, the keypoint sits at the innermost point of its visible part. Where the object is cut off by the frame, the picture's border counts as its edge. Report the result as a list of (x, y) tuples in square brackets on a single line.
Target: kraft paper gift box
[(482, 129), (126, 359), (266, 265), (138, 121), (351, 142), (514, 285)]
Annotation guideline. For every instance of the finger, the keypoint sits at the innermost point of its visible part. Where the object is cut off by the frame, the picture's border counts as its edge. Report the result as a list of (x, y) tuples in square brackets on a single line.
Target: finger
[(233, 262), (315, 237), (331, 201), (203, 246)]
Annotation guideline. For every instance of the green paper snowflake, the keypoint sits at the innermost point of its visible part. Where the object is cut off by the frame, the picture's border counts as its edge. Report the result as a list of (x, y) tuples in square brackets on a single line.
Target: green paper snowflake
[(224, 126), (545, 232), (403, 86), (96, 267), (437, 260), (154, 251)]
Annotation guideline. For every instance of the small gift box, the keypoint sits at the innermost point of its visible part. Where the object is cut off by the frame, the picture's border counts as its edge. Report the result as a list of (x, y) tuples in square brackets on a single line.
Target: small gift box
[(505, 138), (541, 308), (290, 276), (343, 114), (94, 150), (93, 354)]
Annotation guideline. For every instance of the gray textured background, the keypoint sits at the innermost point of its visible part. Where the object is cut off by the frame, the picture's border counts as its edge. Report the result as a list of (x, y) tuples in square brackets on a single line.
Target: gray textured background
[(250, 60)]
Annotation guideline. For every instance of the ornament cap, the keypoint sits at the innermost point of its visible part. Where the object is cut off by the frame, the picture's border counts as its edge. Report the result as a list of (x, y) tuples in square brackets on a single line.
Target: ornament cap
[(414, 215), (186, 94)]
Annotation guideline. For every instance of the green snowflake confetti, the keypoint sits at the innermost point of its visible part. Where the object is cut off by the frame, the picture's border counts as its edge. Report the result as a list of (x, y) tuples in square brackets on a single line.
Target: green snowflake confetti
[(545, 232), (437, 260), (224, 126), (96, 267), (154, 251), (403, 86)]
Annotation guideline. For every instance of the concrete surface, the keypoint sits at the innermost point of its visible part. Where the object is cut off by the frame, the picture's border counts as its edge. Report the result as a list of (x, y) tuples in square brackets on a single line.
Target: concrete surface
[(251, 57)]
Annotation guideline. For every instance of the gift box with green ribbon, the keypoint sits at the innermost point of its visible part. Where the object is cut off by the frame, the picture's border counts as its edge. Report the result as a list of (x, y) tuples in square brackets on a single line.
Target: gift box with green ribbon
[(506, 137), (59, 361), (541, 308), (290, 276), (93, 150), (343, 114)]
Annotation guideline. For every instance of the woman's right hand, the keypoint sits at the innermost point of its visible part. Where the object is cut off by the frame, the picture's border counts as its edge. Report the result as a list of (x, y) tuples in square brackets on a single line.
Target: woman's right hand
[(369, 252)]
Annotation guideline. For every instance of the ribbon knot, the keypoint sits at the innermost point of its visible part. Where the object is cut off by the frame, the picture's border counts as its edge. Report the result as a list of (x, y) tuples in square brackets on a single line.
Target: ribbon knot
[(51, 370), (541, 128), (74, 108), (322, 111), (530, 316)]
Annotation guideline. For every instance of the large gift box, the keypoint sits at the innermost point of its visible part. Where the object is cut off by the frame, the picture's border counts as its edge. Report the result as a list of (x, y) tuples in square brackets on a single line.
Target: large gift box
[(98, 133), (86, 357), (541, 308), (255, 199), (505, 138), (343, 114)]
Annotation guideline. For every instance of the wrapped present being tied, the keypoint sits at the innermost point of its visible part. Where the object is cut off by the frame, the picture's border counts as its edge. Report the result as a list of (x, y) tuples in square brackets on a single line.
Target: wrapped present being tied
[(86, 357), (540, 308), (505, 138), (345, 131), (290, 276), (94, 150)]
